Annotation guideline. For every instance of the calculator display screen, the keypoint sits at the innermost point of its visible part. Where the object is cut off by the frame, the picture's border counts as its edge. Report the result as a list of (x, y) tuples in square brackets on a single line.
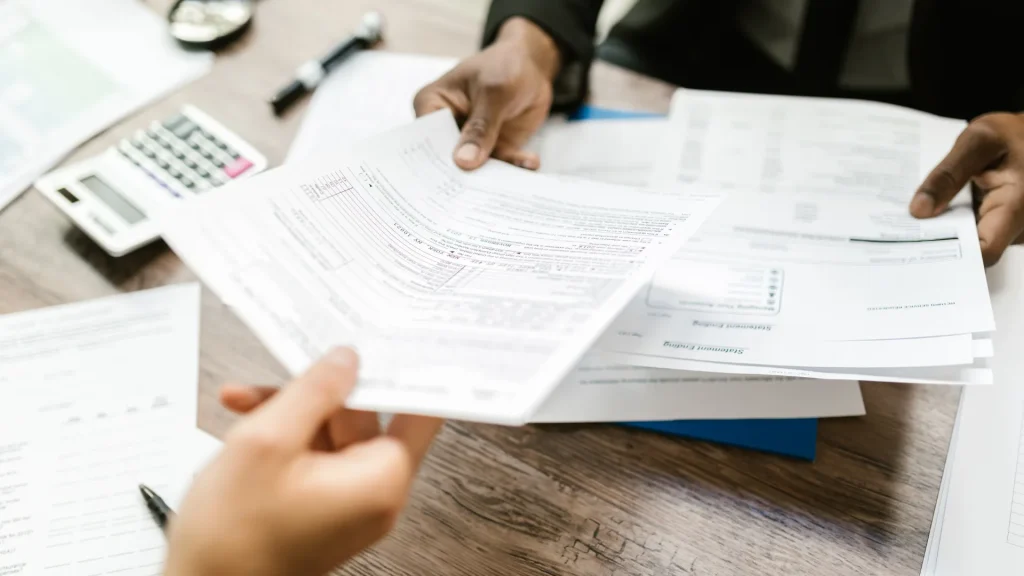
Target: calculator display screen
[(113, 199)]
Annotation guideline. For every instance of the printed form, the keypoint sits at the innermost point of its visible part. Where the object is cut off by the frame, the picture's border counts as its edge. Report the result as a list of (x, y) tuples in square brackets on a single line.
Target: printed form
[(100, 396), (813, 253), (468, 295), (979, 520)]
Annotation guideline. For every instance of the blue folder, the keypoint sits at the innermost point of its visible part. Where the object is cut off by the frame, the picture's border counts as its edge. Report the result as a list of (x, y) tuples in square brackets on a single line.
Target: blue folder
[(796, 438)]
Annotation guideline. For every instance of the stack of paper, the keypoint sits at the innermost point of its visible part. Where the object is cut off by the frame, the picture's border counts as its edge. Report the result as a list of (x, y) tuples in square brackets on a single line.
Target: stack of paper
[(812, 266)]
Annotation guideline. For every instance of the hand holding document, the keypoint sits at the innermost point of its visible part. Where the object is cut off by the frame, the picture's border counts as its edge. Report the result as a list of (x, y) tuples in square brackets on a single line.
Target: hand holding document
[(813, 265), (468, 295), (97, 397)]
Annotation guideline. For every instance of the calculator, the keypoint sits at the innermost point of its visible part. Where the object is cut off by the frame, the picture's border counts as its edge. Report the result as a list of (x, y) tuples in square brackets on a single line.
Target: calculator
[(113, 197)]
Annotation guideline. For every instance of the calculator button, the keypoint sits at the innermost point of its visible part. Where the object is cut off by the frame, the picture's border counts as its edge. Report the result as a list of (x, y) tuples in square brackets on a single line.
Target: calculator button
[(163, 164), (237, 167), (217, 162), (186, 182), (171, 123), (184, 130), (202, 172), (191, 164), (126, 152), (173, 172)]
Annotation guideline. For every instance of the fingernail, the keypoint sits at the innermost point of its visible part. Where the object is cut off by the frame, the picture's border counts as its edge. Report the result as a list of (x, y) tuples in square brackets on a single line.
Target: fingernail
[(530, 163), (922, 205), (467, 153), (343, 357)]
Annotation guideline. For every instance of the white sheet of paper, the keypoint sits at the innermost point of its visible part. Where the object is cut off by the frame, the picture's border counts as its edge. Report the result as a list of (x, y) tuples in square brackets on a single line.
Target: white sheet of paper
[(68, 69), (98, 397), (370, 94), (982, 527), (813, 242), (468, 295)]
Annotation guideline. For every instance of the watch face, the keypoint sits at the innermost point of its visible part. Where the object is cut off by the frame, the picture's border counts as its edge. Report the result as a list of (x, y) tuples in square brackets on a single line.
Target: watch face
[(205, 21)]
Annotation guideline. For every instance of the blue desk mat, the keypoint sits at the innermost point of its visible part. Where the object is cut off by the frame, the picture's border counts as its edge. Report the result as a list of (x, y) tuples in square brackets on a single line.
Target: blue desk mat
[(796, 438)]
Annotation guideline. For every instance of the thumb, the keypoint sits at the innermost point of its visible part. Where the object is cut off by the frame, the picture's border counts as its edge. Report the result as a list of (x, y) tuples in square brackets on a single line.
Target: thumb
[(298, 411), (479, 133)]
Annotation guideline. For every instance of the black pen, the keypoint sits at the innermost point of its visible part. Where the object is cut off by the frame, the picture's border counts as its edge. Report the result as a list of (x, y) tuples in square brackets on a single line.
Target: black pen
[(310, 74), (162, 513)]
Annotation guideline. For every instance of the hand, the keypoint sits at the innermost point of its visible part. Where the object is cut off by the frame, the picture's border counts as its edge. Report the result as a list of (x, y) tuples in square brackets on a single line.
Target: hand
[(500, 96), (990, 155), (301, 485)]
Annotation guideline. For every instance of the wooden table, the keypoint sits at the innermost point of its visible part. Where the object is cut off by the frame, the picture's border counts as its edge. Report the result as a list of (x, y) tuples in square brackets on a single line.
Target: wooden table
[(596, 499)]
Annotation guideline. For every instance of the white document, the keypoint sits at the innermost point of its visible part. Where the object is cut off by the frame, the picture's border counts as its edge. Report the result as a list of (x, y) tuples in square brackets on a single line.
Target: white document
[(981, 530), (469, 295), (813, 242), (370, 94), (69, 69), (97, 397)]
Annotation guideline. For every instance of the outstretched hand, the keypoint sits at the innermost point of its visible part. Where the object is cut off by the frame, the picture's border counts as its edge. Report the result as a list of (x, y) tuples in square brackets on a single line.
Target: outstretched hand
[(302, 483)]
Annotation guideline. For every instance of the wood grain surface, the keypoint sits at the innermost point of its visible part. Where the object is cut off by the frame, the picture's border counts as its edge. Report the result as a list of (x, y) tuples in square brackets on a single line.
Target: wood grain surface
[(594, 499)]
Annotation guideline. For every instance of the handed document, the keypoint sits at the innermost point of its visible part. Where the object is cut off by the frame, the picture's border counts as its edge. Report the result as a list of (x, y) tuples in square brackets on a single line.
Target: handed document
[(98, 397), (468, 295)]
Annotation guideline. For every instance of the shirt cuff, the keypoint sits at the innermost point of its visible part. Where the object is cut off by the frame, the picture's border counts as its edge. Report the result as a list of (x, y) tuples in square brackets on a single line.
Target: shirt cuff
[(573, 33)]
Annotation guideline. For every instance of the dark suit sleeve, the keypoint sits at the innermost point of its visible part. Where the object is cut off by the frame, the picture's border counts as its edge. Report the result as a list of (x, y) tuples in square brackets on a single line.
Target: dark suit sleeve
[(571, 23)]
